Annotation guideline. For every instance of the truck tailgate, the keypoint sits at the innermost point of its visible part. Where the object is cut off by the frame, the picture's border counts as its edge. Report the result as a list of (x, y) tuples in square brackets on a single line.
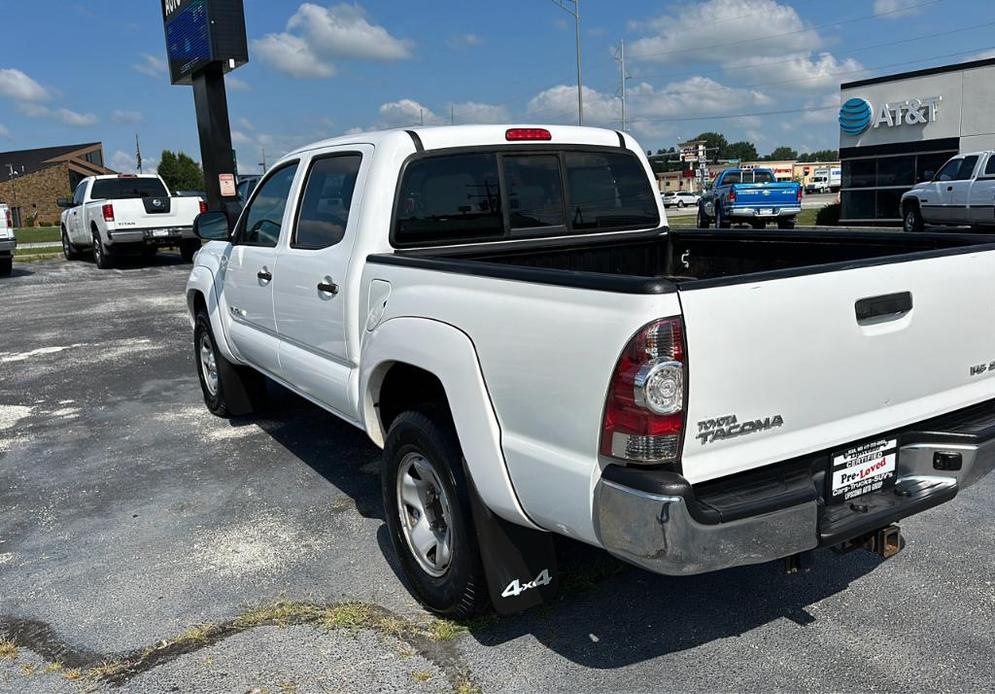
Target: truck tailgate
[(792, 363), (766, 193), (151, 213)]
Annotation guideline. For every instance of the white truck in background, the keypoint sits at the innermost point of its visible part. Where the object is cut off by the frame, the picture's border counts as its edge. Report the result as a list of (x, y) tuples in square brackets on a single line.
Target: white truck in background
[(825, 180), (962, 193), (504, 311), (127, 214), (7, 241)]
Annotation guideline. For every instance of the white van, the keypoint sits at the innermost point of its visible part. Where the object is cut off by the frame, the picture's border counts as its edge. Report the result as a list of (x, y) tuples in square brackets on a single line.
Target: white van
[(7, 241)]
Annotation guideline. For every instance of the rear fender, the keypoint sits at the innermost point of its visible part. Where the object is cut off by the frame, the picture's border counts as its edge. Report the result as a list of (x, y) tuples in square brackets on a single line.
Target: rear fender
[(448, 354)]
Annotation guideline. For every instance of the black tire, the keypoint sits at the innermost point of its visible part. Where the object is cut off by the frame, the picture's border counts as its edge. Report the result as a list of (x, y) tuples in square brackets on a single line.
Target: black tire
[(188, 249), (69, 250), (461, 591), (912, 220), (102, 257), (149, 252), (214, 397), (680, 204), (757, 224), (703, 220), (6, 266), (786, 223), (720, 220)]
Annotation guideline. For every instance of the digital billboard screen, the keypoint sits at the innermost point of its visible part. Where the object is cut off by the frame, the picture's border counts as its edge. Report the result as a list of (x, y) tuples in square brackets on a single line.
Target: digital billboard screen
[(202, 32)]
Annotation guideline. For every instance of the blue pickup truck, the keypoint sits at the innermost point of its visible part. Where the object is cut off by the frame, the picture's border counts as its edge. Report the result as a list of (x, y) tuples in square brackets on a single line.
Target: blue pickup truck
[(750, 196)]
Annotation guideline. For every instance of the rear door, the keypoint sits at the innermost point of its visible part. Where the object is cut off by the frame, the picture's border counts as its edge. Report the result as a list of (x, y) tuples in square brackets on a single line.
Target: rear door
[(313, 288), (959, 190), (252, 267), (982, 196), (794, 366)]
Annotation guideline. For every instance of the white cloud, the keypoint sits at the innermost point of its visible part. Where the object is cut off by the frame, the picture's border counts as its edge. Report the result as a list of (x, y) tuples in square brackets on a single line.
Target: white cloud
[(317, 35), (559, 105), (822, 110), (63, 115), (891, 9), (124, 162), (4, 132), (292, 55), (464, 41), (152, 66), (406, 113), (119, 116), (234, 84), (16, 85), (798, 71), (735, 29), (475, 112), (246, 124)]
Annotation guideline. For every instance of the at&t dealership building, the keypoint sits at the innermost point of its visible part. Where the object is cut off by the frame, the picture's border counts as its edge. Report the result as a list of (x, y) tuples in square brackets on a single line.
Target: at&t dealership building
[(898, 130)]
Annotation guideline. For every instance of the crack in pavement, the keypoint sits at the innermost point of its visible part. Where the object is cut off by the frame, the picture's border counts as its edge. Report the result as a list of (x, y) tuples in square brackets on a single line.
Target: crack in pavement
[(118, 669)]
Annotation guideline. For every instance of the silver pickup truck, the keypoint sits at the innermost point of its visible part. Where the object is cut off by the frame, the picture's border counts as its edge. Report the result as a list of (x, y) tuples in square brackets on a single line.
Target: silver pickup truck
[(962, 193)]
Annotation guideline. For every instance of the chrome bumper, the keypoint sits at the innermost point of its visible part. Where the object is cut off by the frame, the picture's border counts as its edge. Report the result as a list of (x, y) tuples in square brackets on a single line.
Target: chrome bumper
[(8, 245), (146, 235), (659, 533), (753, 213)]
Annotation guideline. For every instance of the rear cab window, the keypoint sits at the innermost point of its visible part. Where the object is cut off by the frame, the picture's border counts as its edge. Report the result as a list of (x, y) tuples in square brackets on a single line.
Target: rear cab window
[(467, 196), (125, 188)]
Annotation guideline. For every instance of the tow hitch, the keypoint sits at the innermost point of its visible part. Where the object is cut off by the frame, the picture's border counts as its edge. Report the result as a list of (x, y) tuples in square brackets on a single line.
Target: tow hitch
[(885, 542)]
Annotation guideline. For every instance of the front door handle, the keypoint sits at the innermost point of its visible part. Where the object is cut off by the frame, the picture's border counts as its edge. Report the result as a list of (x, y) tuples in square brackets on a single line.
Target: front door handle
[(326, 286), (949, 188), (264, 275)]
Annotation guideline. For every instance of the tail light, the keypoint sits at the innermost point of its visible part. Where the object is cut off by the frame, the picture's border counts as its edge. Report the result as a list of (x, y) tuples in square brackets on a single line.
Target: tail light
[(10, 220), (798, 194), (108, 211), (524, 134), (203, 207), (645, 411), (732, 195)]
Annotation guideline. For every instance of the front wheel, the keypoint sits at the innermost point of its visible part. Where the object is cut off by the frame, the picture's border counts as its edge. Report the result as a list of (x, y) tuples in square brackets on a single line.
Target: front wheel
[(229, 390), (680, 204), (69, 249), (703, 220), (427, 505), (912, 220)]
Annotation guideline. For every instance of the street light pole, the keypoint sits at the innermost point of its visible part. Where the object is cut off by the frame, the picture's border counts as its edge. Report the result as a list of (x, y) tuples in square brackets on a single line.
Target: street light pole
[(575, 12)]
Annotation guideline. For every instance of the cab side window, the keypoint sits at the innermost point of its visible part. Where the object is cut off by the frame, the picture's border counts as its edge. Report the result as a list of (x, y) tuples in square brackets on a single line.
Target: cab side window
[(263, 220), (967, 168), (79, 194), (324, 211)]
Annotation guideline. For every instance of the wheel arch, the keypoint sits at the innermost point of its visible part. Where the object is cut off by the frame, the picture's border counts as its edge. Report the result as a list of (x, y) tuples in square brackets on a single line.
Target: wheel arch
[(407, 361), (200, 294)]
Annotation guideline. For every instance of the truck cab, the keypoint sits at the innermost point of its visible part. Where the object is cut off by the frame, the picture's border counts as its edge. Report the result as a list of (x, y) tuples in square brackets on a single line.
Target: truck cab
[(961, 193)]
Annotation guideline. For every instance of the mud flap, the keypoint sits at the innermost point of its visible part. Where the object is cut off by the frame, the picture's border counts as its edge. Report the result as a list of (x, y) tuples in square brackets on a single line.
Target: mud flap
[(519, 563), (241, 387)]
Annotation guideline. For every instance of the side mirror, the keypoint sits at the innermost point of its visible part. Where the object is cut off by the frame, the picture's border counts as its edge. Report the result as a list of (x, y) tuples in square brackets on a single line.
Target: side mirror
[(212, 226), (64, 203)]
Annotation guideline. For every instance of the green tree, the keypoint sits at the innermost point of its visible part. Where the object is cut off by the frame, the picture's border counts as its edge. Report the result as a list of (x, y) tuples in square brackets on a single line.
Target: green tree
[(716, 144), (180, 172), (744, 151), (820, 155), (782, 153)]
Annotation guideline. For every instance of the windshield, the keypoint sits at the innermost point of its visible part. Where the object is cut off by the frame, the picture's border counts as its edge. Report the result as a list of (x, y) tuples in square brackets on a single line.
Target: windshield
[(124, 188)]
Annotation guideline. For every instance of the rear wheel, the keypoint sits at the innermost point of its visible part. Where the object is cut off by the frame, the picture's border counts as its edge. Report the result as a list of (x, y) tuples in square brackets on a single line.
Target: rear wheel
[(101, 255), (427, 504), (6, 266), (788, 223), (680, 204), (912, 220), (69, 250), (720, 219)]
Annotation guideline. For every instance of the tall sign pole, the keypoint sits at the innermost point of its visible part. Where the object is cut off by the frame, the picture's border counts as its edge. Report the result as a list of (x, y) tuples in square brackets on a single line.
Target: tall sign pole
[(204, 40)]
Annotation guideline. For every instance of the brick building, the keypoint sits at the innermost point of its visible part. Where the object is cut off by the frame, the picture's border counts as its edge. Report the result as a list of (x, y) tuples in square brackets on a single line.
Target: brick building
[(33, 180)]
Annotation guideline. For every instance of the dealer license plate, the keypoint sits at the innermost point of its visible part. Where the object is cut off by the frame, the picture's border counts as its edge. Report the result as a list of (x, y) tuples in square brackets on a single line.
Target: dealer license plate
[(862, 469), (159, 233), (766, 212)]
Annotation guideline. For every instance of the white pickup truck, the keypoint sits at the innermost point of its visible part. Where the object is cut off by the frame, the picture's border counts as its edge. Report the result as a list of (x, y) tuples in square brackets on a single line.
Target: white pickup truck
[(127, 214), (504, 310), (962, 193), (7, 241)]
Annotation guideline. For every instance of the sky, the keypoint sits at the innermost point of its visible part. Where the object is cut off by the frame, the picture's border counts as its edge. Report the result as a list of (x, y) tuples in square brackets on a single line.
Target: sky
[(767, 71)]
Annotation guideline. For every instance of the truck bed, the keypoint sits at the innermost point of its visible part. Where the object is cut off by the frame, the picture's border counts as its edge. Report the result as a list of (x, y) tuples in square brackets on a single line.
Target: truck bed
[(658, 262)]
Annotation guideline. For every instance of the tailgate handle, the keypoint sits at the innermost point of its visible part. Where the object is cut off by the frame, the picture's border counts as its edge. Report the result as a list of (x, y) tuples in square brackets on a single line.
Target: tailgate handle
[(884, 305)]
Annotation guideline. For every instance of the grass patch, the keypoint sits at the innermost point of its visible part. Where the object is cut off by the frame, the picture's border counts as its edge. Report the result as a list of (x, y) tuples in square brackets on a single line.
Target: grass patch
[(39, 235), (445, 630), (8, 649), (465, 686), (421, 676)]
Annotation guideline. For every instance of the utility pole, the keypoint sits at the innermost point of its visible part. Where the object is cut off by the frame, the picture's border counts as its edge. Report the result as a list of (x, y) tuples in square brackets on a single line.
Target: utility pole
[(421, 116), (574, 10), (620, 57), (263, 162), (138, 153)]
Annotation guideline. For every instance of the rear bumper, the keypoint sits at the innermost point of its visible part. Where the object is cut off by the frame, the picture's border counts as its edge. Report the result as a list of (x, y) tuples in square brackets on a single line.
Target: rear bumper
[(754, 212), (150, 237), (7, 246), (654, 519)]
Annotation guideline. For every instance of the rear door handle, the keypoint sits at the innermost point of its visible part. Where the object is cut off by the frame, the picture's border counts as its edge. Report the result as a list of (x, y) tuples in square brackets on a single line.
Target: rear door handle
[(264, 275), (884, 305)]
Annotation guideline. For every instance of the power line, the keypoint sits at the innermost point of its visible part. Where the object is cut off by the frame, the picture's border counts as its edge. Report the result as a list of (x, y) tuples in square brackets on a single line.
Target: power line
[(733, 115), (861, 49), (792, 32)]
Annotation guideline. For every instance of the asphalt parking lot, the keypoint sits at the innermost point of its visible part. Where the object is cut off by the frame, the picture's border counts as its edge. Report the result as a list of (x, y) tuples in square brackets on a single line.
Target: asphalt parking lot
[(148, 546)]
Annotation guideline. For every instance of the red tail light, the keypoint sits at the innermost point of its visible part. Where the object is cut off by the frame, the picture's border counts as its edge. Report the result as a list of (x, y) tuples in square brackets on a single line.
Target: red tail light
[(203, 207), (732, 195), (799, 194), (522, 134), (645, 411), (108, 210), (10, 220)]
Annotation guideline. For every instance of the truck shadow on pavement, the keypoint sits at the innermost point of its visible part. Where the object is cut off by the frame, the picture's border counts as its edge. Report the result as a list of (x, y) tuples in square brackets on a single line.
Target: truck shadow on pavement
[(603, 602)]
